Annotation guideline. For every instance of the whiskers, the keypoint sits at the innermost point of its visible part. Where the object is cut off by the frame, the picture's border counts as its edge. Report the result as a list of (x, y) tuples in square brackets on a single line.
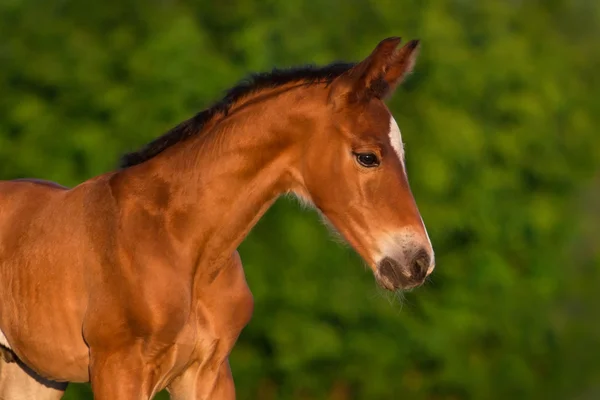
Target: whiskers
[(395, 299), (429, 281)]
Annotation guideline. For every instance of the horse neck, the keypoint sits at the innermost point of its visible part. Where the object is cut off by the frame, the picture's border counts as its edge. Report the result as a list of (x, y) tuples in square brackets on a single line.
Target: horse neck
[(222, 181)]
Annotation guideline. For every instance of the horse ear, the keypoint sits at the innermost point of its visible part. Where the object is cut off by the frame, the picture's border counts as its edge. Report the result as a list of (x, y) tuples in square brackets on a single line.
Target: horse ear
[(379, 74)]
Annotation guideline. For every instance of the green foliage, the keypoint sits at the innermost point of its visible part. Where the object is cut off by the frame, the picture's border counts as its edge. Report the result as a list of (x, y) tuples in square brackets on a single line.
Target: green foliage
[(499, 119)]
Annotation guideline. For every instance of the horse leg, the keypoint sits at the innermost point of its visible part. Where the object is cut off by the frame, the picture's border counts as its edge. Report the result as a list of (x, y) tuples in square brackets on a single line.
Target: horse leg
[(225, 307), (224, 388), (121, 375), (19, 382), (196, 384)]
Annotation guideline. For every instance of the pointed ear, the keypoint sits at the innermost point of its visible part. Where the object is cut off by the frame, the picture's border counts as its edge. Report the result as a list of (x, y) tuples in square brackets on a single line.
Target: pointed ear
[(379, 74)]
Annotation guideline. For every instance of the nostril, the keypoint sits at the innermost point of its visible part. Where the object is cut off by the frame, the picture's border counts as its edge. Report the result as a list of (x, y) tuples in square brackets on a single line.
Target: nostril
[(387, 268), (420, 265)]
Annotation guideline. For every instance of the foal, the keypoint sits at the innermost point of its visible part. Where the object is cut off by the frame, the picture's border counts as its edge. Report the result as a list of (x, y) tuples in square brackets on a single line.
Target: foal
[(132, 281)]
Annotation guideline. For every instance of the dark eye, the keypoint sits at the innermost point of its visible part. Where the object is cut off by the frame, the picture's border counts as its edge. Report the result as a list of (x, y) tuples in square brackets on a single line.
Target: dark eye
[(367, 159)]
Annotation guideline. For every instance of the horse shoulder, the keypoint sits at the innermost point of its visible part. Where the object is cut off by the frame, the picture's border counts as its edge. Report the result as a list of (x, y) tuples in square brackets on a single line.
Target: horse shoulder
[(224, 300)]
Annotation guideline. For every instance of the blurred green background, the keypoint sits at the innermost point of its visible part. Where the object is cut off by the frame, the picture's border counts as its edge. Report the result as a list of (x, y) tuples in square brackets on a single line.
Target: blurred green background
[(500, 122)]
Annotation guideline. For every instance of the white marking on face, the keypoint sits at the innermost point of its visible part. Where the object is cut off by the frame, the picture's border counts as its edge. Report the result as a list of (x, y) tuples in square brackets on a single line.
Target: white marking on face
[(432, 265), (426, 234), (396, 139), (400, 243), (395, 244), (3, 340)]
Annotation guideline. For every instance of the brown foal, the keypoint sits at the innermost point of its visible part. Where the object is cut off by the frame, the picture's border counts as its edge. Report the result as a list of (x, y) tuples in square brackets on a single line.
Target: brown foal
[(132, 281)]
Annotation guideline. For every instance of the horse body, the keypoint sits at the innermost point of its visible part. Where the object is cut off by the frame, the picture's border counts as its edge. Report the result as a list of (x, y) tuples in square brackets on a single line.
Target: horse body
[(42, 299), (132, 280), (82, 290)]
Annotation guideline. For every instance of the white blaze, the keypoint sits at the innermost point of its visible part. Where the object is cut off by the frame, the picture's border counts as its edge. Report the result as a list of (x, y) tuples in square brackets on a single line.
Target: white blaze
[(396, 139), (398, 146)]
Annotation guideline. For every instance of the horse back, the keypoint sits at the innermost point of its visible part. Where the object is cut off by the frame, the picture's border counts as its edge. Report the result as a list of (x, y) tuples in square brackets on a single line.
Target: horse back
[(24, 194), (41, 182)]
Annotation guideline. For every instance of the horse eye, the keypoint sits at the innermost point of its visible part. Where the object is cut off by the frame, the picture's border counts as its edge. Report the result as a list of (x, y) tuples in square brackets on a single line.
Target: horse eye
[(367, 160)]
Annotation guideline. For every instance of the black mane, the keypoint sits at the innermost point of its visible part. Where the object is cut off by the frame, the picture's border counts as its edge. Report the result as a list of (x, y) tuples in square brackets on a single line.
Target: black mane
[(308, 74)]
